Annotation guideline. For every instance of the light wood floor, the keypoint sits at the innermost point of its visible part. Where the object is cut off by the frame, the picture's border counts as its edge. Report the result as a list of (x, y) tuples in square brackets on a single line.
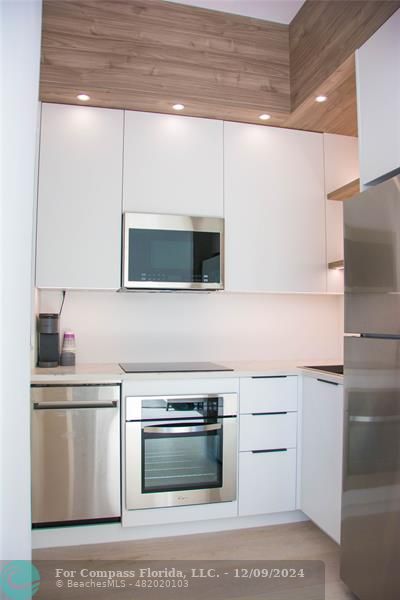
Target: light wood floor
[(298, 541)]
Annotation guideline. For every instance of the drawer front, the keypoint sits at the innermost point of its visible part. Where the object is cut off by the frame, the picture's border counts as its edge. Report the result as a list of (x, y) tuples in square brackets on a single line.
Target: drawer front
[(268, 432), (268, 394), (267, 482)]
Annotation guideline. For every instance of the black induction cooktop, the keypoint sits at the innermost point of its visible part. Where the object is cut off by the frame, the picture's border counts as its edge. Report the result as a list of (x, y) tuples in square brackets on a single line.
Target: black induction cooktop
[(165, 367), (329, 368)]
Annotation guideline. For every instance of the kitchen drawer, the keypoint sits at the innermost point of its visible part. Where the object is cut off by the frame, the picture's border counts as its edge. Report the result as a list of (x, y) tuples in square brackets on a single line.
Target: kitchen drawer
[(268, 394), (267, 482), (268, 432)]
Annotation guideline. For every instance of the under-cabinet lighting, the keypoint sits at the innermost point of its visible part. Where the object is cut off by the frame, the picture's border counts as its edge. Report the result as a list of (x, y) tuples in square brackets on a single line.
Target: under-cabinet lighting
[(178, 106), (321, 99), (264, 117), (83, 97)]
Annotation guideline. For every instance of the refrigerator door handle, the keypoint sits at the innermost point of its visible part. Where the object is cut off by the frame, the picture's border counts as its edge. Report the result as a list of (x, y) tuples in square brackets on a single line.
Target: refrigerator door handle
[(388, 419)]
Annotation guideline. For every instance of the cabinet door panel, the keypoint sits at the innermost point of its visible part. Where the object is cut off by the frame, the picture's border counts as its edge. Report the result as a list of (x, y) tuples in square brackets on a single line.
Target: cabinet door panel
[(173, 164), (274, 210), (341, 167), (80, 195), (268, 394), (378, 100), (267, 482), (268, 432), (322, 440)]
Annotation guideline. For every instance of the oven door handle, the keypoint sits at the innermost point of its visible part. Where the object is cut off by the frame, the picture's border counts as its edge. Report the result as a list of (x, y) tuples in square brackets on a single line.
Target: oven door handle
[(181, 430)]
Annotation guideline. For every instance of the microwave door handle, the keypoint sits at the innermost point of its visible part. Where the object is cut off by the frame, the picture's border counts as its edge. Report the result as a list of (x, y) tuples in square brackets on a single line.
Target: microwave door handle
[(181, 430)]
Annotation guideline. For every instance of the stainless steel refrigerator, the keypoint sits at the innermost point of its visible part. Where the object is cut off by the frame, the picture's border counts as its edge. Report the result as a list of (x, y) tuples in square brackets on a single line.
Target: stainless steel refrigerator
[(370, 541)]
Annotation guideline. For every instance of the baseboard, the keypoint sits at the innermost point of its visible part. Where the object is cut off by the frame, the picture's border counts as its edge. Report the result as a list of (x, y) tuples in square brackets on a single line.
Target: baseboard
[(114, 532)]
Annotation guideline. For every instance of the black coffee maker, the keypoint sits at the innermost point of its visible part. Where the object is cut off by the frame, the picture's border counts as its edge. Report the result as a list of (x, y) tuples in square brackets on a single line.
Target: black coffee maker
[(48, 340)]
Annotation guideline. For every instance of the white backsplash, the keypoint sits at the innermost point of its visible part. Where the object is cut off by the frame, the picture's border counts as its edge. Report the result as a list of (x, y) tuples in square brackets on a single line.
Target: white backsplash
[(113, 327)]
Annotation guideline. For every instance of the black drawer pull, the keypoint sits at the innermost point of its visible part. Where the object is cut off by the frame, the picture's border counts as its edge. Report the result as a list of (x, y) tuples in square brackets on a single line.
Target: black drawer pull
[(270, 376), (265, 451), (326, 381), (269, 413)]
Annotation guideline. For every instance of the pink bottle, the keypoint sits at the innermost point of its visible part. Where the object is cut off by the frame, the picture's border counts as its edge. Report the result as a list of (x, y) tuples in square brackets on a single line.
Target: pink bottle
[(68, 350)]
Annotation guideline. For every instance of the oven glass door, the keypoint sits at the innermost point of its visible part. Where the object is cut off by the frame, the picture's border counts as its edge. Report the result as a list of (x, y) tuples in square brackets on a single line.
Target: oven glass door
[(181, 456), (166, 256)]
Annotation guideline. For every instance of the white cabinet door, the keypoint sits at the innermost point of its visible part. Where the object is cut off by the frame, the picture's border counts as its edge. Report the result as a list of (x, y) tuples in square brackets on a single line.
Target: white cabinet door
[(378, 99), (80, 195), (274, 210), (268, 394), (173, 164), (341, 167), (267, 482), (268, 432), (321, 454)]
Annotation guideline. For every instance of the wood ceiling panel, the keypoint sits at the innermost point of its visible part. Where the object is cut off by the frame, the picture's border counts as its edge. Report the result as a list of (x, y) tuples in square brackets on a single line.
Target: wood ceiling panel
[(324, 34), (124, 52), (339, 113), (148, 54)]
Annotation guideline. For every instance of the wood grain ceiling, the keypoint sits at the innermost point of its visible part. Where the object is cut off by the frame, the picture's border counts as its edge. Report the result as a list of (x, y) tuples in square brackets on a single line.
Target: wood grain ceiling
[(339, 113), (149, 54), (324, 34)]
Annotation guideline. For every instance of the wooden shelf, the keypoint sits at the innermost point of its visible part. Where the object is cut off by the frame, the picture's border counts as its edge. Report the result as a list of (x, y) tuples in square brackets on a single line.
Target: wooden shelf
[(337, 265), (346, 191)]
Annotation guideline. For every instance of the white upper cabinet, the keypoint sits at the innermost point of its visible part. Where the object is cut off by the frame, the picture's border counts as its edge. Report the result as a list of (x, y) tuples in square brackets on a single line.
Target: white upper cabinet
[(80, 194), (274, 210), (378, 98), (173, 164), (341, 167)]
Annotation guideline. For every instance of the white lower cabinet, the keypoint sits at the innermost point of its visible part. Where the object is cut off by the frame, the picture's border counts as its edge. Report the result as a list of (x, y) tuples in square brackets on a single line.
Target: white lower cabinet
[(322, 450), (269, 431), (269, 394), (267, 444), (267, 482)]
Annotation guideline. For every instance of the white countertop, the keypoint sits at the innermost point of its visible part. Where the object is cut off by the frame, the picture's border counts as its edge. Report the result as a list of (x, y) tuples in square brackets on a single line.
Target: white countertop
[(112, 372)]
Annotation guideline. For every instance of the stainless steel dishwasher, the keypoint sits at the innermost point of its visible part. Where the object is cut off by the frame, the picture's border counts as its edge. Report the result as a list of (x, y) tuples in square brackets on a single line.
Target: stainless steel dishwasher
[(75, 454)]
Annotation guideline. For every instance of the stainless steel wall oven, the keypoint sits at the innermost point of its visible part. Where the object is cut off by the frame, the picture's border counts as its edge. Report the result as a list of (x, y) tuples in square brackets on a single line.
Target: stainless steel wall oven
[(180, 450)]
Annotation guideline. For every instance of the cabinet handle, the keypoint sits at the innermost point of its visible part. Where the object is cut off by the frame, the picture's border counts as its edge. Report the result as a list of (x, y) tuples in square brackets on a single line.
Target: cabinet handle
[(285, 412), (270, 376), (265, 451), (326, 381)]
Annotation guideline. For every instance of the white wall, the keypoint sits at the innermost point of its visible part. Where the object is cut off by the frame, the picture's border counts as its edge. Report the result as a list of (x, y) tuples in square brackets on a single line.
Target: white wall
[(20, 26), (116, 327)]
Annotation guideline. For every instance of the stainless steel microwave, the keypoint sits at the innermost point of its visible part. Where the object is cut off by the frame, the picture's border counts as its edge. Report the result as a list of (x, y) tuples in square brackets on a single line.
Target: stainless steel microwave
[(172, 252)]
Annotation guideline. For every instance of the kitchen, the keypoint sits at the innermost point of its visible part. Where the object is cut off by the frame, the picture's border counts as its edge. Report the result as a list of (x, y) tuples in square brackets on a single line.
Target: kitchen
[(261, 194)]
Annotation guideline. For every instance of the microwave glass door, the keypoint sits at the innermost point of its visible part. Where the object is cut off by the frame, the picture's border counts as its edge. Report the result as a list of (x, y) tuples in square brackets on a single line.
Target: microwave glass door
[(168, 256), (181, 456)]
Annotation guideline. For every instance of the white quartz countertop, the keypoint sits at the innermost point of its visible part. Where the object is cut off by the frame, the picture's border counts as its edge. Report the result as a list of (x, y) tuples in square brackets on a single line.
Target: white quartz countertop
[(112, 372)]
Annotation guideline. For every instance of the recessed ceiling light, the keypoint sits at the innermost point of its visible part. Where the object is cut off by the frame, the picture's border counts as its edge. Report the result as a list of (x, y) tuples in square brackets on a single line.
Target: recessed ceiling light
[(178, 106), (321, 99), (83, 97), (264, 117)]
